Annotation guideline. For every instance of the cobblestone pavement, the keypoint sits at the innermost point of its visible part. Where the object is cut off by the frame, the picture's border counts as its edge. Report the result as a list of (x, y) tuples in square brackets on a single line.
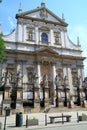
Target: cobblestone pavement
[(72, 125), (10, 122)]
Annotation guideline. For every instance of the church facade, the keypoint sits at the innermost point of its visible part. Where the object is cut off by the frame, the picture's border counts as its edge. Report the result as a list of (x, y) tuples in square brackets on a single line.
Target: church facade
[(42, 62)]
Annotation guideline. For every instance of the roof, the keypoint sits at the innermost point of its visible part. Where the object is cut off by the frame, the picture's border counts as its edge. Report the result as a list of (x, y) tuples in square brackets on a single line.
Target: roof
[(31, 15)]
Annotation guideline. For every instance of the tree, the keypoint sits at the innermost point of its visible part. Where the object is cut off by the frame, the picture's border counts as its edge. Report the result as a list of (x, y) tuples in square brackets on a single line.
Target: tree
[(0, 1), (2, 54), (2, 48)]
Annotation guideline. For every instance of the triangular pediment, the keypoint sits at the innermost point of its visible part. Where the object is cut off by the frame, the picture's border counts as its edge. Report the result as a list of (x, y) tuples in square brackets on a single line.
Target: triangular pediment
[(42, 13), (46, 52)]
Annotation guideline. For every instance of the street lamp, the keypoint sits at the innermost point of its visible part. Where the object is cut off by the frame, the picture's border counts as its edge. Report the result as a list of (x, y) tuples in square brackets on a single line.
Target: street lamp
[(7, 113)]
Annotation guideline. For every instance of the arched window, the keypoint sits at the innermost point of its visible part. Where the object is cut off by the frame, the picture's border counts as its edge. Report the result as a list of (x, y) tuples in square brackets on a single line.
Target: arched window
[(44, 37)]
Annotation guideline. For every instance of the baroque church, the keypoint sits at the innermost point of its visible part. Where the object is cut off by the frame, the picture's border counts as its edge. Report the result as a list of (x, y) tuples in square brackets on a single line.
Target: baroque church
[(43, 67)]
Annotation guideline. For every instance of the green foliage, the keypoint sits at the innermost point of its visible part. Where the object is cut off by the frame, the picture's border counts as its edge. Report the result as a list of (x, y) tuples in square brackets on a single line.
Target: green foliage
[(84, 117), (0, 125), (0, 1), (33, 118), (2, 48)]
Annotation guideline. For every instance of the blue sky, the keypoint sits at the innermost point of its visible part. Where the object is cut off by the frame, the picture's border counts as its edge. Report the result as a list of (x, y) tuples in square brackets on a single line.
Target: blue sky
[(75, 13)]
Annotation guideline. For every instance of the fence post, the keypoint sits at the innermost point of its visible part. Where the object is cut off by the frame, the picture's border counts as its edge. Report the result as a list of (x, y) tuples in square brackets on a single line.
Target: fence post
[(62, 119), (45, 119), (26, 121), (77, 117)]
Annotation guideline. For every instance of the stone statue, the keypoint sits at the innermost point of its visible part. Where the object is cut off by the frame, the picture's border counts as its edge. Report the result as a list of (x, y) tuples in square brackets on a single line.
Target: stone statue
[(45, 80), (30, 35), (43, 13), (58, 80)]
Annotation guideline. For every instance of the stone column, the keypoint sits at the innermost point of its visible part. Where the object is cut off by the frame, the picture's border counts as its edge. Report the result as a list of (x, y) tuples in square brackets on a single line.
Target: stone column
[(70, 80), (64, 71), (39, 73), (37, 89), (82, 72), (80, 76), (19, 100), (53, 75), (53, 79)]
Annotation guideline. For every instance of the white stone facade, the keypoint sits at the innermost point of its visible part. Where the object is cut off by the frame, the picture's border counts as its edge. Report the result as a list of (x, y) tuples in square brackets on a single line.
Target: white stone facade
[(40, 44)]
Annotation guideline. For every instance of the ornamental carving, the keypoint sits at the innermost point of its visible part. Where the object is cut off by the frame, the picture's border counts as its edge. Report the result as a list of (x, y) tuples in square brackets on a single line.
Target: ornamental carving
[(43, 13), (57, 37), (46, 69), (30, 34)]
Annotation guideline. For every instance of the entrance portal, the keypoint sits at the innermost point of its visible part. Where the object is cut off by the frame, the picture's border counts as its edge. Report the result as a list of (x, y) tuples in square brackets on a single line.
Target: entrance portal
[(47, 87)]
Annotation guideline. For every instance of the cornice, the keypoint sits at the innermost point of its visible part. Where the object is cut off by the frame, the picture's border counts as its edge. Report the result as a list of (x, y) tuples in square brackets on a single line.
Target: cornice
[(40, 45), (41, 20), (30, 53), (72, 57)]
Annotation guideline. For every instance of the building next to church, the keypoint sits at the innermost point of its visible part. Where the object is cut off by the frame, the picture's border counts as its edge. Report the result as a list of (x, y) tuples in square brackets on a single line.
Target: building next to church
[(42, 62)]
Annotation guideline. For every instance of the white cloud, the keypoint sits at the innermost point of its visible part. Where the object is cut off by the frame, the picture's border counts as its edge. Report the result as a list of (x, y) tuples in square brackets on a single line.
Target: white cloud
[(12, 24)]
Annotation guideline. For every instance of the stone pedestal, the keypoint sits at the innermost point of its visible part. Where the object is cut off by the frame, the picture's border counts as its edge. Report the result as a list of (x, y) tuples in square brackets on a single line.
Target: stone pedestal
[(47, 102), (19, 99), (36, 99), (6, 97)]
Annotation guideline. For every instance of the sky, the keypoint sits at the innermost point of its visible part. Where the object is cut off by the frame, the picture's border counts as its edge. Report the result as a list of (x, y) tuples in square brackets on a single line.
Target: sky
[(75, 13)]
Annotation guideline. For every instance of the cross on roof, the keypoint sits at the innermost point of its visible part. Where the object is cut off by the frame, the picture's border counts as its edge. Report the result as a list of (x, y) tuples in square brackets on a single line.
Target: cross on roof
[(43, 1)]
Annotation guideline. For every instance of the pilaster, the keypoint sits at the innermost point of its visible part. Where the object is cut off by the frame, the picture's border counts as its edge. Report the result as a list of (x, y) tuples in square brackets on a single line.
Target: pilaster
[(53, 76), (37, 35), (19, 32), (70, 80), (19, 98), (51, 37)]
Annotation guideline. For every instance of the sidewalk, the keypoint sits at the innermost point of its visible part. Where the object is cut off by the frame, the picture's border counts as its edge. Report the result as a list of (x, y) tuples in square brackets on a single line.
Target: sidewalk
[(11, 120), (66, 126)]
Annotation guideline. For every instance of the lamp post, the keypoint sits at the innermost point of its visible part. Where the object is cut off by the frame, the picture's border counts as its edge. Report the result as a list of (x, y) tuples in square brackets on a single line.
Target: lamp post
[(7, 113)]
